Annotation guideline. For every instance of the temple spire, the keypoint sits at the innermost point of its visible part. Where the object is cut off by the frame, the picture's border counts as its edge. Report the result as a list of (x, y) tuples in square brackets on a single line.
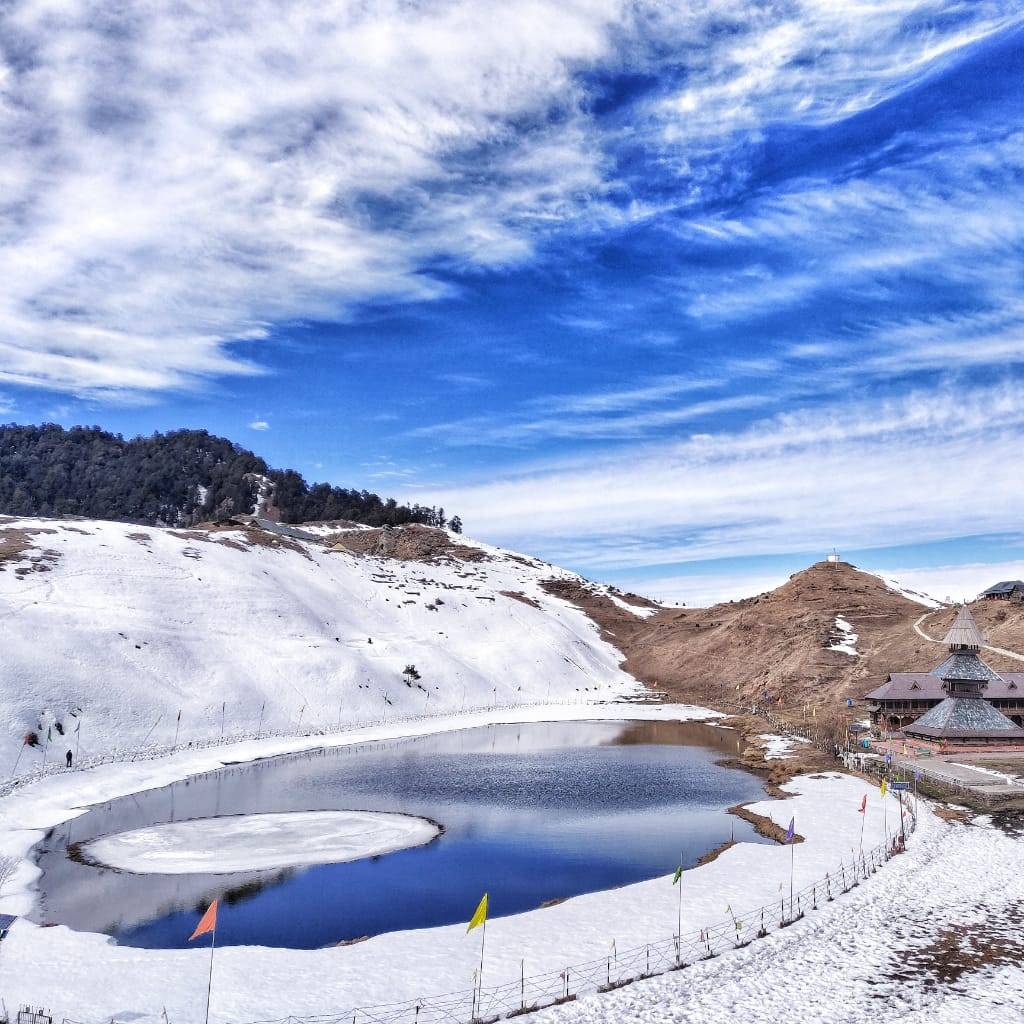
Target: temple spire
[(964, 634)]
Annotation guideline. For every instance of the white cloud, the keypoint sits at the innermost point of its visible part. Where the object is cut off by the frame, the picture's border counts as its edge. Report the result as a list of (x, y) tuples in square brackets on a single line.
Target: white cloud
[(259, 425), (958, 582), (813, 62), (930, 465), (177, 180), (700, 590), (595, 415)]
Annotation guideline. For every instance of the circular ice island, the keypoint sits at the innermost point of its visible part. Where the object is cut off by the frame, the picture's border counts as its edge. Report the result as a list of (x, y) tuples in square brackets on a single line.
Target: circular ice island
[(258, 842)]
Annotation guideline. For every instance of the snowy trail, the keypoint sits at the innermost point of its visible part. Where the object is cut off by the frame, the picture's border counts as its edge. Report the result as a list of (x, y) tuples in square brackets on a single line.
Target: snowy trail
[(935, 938)]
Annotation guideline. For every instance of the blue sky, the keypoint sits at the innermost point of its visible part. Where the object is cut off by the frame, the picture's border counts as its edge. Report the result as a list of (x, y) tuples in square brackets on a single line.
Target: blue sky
[(679, 298)]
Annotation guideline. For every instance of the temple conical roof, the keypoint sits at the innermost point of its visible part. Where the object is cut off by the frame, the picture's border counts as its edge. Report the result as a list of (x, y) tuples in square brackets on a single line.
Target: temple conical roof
[(964, 632), (965, 718), (966, 665)]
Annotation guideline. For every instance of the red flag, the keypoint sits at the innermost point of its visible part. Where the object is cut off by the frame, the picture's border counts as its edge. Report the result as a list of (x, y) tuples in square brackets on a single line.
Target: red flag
[(207, 923), (864, 804)]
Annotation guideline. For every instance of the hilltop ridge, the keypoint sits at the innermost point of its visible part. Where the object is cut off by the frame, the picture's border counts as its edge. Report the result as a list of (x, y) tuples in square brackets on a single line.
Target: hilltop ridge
[(178, 478), (829, 633)]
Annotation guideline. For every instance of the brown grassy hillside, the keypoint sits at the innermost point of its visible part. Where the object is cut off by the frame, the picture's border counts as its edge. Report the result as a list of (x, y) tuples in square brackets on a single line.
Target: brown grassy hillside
[(777, 644)]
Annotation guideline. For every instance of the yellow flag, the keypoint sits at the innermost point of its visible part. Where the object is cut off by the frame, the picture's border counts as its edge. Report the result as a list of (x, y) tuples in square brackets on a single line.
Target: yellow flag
[(480, 916), (883, 787)]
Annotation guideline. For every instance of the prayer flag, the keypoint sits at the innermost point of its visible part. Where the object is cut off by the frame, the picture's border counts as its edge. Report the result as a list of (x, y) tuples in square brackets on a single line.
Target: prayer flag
[(883, 787), (864, 804), (207, 923), (480, 916), (678, 874), (791, 831)]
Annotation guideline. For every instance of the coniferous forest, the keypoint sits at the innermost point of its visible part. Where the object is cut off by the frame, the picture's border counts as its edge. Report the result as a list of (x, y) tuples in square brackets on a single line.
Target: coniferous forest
[(178, 478)]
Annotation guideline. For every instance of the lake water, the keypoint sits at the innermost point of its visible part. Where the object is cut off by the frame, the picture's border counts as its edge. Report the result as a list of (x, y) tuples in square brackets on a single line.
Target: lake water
[(531, 813)]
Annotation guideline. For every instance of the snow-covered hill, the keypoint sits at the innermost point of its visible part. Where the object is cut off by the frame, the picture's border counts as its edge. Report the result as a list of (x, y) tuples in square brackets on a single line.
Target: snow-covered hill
[(120, 628)]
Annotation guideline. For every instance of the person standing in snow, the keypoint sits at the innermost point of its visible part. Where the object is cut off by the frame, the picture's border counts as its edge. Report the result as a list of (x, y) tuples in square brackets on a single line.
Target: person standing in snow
[(68, 757)]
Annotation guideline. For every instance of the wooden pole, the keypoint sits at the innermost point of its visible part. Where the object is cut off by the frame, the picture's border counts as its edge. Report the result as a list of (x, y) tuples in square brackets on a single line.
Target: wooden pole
[(177, 727), (209, 983), (480, 975), (152, 727), (792, 862), (679, 915)]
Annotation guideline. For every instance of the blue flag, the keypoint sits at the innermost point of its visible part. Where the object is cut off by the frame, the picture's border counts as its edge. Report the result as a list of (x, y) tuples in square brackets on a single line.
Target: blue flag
[(792, 830)]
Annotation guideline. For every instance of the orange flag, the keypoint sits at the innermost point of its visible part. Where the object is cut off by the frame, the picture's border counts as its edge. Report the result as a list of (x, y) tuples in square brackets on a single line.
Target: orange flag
[(207, 923)]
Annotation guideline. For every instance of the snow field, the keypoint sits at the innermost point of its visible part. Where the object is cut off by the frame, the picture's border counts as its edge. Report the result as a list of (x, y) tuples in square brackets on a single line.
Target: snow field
[(133, 625)]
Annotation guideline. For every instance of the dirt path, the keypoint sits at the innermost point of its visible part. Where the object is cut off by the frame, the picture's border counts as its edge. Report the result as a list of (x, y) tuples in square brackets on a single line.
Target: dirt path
[(934, 938), (988, 647)]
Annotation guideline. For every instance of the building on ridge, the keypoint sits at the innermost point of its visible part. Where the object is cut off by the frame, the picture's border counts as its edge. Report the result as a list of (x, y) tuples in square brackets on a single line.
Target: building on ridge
[(1007, 590)]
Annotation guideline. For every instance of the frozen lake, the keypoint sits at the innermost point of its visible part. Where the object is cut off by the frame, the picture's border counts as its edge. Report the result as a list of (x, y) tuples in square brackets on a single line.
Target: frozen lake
[(531, 813)]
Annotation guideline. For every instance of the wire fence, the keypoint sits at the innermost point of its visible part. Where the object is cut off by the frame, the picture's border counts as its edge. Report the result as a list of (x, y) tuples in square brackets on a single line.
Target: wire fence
[(483, 1004), (486, 1004), (154, 751)]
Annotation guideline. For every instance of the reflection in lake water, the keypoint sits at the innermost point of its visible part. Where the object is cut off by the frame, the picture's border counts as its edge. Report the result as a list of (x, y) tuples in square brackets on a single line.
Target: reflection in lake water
[(531, 813)]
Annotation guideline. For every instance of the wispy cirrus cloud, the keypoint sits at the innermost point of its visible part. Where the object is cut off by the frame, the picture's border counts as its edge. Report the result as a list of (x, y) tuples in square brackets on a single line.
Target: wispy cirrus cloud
[(613, 414), (179, 178), (927, 465), (178, 182)]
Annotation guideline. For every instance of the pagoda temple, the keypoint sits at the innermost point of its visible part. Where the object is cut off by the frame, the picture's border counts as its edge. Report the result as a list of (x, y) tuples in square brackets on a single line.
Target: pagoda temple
[(964, 715)]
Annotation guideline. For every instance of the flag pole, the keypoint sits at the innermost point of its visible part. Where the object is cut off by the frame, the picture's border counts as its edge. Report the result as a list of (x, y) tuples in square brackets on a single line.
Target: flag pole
[(209, 983), (679, 914), (792, 860), (480, 975)]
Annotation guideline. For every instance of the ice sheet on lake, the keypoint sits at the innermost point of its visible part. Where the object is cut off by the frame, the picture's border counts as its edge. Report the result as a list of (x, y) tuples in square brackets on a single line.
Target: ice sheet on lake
[(256, 842)]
